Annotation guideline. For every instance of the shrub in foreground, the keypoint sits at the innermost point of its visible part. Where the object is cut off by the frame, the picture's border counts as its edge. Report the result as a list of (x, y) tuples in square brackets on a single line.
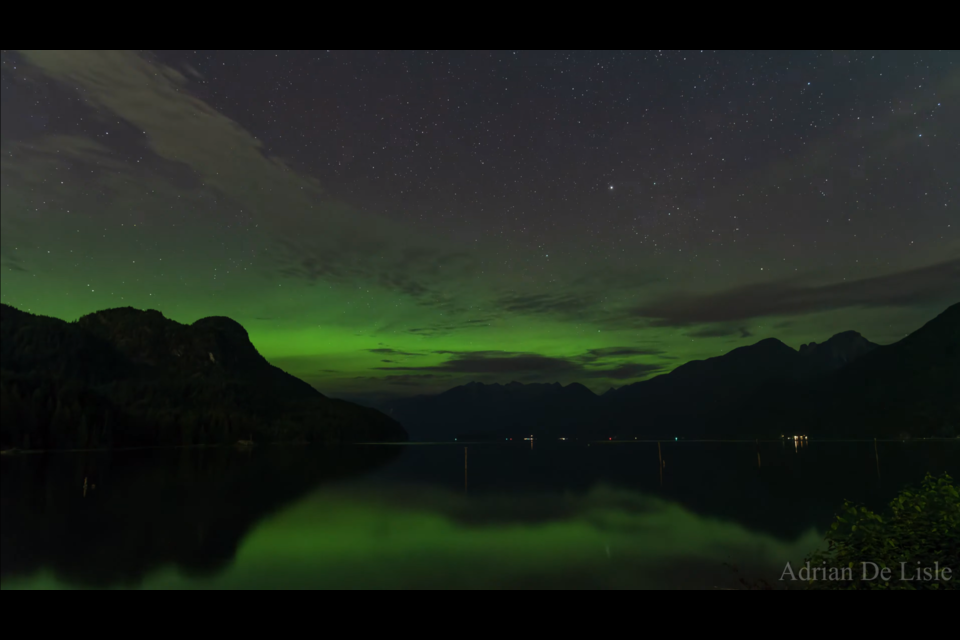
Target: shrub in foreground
[(914, 546)]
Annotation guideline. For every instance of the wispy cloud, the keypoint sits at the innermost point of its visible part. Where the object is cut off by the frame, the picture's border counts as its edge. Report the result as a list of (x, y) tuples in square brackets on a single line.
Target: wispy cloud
[(940, 282), (189, 144), (565, 305)]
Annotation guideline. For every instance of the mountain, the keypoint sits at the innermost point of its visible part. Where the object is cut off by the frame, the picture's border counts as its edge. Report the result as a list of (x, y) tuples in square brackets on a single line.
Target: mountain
[(124, 377), (705, 385), (844, 387), (682, 397), (909, 388), (478, 410), (688, 400), (835, 353)]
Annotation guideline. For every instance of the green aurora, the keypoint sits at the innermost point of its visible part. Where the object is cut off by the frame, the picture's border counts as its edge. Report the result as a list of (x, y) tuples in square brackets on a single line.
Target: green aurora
[(191, 215)]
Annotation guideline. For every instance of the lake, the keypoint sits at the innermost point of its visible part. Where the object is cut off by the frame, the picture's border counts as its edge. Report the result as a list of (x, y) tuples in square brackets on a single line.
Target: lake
[(673, 515)]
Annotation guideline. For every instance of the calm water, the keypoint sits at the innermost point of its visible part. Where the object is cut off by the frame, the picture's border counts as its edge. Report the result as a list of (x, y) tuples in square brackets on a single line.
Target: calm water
[(564, 515)]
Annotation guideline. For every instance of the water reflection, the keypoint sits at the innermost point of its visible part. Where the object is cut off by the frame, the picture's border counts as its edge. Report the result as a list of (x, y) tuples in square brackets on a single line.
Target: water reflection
[(396, 517), (429, 538), (106, 520)]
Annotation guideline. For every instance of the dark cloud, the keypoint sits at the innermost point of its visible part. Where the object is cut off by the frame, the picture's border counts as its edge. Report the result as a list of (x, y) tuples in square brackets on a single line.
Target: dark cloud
[(492, 354), (531, 365), (431, 262), (403, 285), (415, 273), (393, 352), (451, 326), (299, 261), (711, 332), (613, 278), (607, 353), (13, 265), (792, 297), (497, 362), (555, 304), (720, 332)]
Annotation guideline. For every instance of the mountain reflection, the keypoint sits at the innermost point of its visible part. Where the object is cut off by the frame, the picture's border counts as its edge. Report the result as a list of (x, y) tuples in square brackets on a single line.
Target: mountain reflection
[(107, 519)]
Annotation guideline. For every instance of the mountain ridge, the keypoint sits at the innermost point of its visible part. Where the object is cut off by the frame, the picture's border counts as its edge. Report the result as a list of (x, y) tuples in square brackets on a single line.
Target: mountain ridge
[(757, 389), (126, 377), (136, 378)]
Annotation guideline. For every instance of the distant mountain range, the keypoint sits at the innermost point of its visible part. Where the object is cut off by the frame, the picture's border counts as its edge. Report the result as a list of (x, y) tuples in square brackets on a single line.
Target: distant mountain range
[(495, 408), (844, 387), (133, 378)]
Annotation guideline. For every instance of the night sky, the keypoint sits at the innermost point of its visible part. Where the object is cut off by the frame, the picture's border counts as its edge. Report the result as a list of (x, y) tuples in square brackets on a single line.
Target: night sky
[(394, 223)]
